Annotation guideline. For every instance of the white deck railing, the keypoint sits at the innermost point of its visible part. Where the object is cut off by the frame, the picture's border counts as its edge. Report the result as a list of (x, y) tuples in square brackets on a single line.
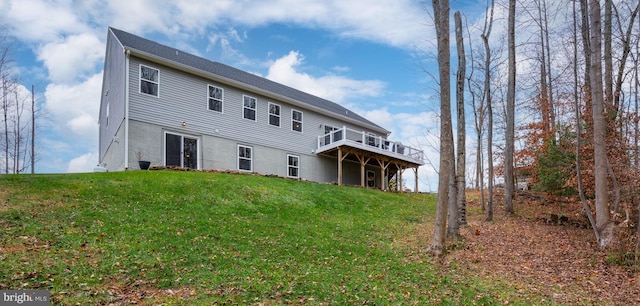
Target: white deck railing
[(368, 142)]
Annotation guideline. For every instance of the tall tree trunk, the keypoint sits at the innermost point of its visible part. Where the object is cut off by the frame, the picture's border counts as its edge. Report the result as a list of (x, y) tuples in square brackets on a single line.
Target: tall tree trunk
[(608, 60), (599, 127), (5, 109), (462, 136), (453, 224), (548, 74), (487, 89), (545, 99), (626, 50), (511, 98), (33, 130), (637, 97), (441, 16), (576, 97), (17, 135), (584, 8), (478, 116)]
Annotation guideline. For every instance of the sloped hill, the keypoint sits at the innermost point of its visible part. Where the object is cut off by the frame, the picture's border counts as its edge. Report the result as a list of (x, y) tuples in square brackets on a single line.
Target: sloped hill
[(153, 237)]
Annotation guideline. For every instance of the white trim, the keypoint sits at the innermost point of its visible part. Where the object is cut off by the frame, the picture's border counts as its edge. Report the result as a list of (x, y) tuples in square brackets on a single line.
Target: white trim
[(279, 115), (238, 157), (157, 95), (221, 99), (301, 121), (255, 109), (296, 167)]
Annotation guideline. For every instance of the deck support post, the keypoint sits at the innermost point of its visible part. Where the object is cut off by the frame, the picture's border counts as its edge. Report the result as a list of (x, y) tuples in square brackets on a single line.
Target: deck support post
[(383, 173), (339, 166), (400, 188), (416, 173)]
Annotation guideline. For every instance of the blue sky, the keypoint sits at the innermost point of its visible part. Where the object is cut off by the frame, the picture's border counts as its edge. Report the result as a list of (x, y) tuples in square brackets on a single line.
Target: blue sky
[(365, 55)]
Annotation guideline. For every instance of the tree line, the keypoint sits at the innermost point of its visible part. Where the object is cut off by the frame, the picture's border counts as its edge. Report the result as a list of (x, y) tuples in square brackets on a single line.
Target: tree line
[(558, 111), (18, 116)]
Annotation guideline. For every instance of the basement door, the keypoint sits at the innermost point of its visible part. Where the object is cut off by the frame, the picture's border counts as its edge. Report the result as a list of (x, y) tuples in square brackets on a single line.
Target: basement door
[(181, 151)]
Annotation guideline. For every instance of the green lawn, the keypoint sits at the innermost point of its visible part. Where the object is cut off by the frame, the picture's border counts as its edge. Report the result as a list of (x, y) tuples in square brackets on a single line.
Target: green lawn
[(204, 238)]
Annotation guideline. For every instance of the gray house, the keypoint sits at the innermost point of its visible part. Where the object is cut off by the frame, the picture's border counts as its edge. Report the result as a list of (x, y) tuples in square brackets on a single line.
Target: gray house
[(175, 109)]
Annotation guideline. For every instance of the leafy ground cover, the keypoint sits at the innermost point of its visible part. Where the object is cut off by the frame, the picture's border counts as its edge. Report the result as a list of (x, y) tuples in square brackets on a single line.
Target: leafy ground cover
[(544, 250), (168, 237)]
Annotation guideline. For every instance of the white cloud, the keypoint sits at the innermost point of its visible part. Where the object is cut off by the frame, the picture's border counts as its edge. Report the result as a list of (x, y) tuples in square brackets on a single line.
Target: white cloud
[(39, 21), (83, 163), (75, 107), (331, 87), (73, 58)]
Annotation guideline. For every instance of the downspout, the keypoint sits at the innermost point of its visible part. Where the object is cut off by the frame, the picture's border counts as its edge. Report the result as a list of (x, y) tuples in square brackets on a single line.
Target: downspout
[(126, 109)]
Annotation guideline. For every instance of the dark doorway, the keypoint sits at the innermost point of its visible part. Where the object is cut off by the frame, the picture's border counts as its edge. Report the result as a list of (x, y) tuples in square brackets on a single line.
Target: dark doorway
[(181, 151)]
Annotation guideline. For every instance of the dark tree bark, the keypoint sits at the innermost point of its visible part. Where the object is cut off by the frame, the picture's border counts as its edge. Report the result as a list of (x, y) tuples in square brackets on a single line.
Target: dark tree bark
[(441, 20), (576, 97), (511, 98), (461, 168), (487, 89), (603, 221)]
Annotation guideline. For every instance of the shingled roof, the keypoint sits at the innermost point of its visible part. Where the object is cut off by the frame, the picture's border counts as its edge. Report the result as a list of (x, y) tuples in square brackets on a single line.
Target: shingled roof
[(139, 44)]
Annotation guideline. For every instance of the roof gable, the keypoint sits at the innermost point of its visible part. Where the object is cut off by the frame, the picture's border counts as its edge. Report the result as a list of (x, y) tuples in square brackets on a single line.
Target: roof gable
[(137, 43)]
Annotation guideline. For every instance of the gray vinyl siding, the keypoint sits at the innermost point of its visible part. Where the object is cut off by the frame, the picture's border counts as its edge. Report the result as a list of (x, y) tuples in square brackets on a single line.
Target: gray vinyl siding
[(183, 98), (112, 96), (215, 153)]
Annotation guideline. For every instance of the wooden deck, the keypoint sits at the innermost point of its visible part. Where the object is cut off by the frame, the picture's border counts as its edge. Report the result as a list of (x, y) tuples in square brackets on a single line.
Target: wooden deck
[(392, 157)]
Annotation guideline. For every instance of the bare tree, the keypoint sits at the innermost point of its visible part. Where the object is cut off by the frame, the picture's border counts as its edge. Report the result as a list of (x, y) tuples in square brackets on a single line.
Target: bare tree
[(479, 111), (461, 183), (510, 113), (441, 21), (576, 97), (603, 222), (14, 132), (487, 89), (5, 112)]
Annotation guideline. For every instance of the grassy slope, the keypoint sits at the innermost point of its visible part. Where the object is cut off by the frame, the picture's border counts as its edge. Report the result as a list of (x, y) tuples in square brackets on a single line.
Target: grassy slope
[(188, 237)]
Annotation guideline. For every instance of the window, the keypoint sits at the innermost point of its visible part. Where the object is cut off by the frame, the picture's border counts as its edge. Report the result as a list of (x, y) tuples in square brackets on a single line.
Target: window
[(249, 108), (245, 159), (215, 98), (274, 114), (296, 120), (293, 166), (149, 79)]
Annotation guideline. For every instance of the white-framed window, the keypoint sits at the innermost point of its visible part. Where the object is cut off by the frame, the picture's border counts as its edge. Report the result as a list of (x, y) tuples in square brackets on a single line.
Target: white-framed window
[(274, 114), (149, 80), (249, 108), (215, 98), (245, 158), (296, 120), (293, 166)]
